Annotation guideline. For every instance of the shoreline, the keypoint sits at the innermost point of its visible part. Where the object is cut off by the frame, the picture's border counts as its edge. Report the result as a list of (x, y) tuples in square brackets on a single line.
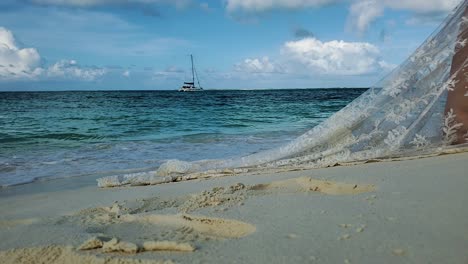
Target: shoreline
[(415, 214)]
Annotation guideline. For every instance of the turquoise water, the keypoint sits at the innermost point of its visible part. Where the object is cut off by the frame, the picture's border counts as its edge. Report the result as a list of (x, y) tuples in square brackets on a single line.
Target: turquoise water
[(65, 134)]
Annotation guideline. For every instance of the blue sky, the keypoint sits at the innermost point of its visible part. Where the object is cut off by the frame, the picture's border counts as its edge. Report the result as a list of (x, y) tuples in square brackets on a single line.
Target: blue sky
[(237, 44)]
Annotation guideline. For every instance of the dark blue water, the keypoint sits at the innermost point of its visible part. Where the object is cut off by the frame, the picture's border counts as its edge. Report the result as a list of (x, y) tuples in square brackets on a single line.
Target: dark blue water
[(65, 134)]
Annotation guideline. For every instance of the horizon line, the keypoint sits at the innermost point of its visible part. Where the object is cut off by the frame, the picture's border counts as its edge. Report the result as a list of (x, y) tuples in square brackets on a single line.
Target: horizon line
[(175, 90)]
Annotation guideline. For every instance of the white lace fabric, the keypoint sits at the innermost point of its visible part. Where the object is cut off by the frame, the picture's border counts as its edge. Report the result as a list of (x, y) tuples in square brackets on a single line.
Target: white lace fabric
[(402, 115)]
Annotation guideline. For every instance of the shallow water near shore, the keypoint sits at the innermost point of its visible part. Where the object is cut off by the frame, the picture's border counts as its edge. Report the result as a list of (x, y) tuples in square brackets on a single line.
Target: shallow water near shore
[(46, 135)]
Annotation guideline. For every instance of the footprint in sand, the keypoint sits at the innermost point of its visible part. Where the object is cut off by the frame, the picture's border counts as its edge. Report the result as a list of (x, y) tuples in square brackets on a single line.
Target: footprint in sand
[(307, 184), (235, 195), (216, 227), (223, 198), (217, 197), (139, 221), (143, 227)]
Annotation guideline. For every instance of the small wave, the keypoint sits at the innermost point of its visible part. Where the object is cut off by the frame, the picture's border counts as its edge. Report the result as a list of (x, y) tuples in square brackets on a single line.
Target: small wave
[(10, 139), (73, 118), (9, 179), (69, 136), (5, 167), (112, 118), (263, 120), (103, 146), (203, 138), (56, 136), (54, 162), (235, 125)]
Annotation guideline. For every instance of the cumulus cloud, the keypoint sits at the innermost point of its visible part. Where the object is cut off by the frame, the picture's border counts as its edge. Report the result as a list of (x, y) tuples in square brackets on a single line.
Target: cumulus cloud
[(255, 65), (25, 64), (311, 56), (265, 5), (15, 62), (69, 69), (333, 57)]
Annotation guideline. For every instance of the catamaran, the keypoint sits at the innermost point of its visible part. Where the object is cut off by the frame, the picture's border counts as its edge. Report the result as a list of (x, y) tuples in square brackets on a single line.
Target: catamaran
[(190, 86)]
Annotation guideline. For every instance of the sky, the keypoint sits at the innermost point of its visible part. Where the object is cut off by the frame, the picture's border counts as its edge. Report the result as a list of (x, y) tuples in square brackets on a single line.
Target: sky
[(237, 44)]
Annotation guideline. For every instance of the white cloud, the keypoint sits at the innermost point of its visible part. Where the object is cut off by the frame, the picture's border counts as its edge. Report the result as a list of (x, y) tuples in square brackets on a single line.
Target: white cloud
[(311, 57), (126, 73), (69, 69), (419, 6), (333, 57), (422, 6), (25, 64), (265, 5), (17, 63), (262, 65), (387, 66), (363, 12)]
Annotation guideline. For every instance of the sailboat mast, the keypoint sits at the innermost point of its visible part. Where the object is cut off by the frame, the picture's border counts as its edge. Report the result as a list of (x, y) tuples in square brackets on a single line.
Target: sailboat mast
[(193, 74)]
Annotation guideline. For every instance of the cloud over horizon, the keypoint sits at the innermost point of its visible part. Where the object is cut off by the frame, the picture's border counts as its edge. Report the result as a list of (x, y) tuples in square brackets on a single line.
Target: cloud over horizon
[(335, 57), (18, 64), (312, 56), (259, 66), (69, 69)]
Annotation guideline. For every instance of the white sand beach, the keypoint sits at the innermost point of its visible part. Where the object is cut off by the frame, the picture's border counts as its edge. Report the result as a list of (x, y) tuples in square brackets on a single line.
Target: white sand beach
[(411, 211)]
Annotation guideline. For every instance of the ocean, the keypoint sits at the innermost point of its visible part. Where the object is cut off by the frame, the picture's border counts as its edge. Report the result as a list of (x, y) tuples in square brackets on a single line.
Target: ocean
[(50, 135)]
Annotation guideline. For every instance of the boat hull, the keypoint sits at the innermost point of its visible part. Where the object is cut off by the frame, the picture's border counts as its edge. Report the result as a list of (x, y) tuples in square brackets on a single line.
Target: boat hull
[(190, 89)]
